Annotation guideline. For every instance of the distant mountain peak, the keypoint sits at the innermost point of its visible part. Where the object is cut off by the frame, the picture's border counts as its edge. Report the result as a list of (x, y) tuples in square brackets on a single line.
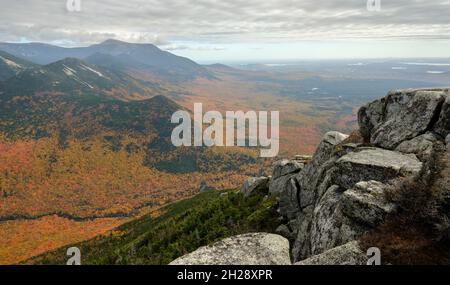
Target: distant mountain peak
[(148, 59), (113, 41)]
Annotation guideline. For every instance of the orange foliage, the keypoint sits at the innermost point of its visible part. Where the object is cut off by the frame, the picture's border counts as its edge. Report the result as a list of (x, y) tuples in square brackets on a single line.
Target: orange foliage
[(51, 196), (88, 180), (24, 239)]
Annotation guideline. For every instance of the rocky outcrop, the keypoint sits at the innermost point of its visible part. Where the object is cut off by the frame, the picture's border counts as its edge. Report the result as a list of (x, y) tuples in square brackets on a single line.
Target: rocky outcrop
[(247, 249), (285, 167), (348, 254), (329, 201), (341, 193), (255, 185), (404, 115), (373, 164)]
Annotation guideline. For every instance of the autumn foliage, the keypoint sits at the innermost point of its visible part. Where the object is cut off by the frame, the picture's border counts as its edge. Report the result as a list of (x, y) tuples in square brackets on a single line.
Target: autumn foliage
[(83, 181)]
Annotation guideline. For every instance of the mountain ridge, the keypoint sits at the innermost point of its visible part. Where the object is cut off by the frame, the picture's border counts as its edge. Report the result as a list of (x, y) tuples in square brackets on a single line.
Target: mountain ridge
[(71, 74), (147, 57), (11, 65)]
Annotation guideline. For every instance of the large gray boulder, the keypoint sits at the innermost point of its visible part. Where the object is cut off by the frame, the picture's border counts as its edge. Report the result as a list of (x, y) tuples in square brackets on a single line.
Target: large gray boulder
[(374, 164), (347, 254), (402, 115), (247, 249)]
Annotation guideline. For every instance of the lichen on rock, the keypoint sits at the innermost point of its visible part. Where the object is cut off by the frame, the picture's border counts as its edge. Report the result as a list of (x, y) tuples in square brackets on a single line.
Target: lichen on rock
[(247, 249), (347, 254)]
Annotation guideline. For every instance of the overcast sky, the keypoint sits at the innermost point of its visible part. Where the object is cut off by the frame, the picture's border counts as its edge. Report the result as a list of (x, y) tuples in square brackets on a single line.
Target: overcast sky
[(224, 30)]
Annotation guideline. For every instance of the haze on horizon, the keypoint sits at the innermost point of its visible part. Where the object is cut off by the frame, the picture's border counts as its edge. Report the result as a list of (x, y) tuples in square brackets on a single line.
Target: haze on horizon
[(240, 30)]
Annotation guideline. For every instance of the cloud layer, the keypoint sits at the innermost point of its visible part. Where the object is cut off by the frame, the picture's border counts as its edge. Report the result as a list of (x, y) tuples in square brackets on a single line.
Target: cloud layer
[(211, 28), (221, 21)]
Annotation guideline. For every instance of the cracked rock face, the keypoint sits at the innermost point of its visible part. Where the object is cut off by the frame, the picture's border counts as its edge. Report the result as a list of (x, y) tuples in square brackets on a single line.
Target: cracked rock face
[(330, 227), (293, 201), (374, 164), (366, 203), (421, 145), (247, 249), (283, 172), (403, 115), (340, 194), (442, 127), (289, 203)]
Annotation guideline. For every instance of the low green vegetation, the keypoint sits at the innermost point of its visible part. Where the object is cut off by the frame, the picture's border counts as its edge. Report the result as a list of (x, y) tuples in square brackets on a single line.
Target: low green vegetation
[(181, 228)]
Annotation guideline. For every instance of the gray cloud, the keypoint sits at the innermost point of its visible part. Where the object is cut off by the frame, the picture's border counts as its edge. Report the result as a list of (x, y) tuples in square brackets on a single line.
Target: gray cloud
[(166, 22)]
